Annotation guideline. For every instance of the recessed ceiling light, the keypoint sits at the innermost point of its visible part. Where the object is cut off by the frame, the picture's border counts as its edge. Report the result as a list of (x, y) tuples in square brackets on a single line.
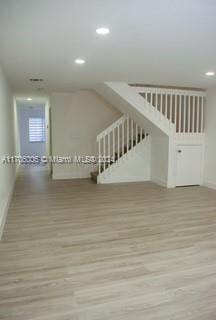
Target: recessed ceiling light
[(36, 80), (103, 31), (29, 99), (210, 73), (79, 61)]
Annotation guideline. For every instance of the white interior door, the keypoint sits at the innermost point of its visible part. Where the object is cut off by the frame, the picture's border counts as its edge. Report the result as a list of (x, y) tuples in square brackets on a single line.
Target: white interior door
[(188, 165)]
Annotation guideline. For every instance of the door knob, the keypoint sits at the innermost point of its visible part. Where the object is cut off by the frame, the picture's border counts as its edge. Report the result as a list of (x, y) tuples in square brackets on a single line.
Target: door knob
[(179, 151)]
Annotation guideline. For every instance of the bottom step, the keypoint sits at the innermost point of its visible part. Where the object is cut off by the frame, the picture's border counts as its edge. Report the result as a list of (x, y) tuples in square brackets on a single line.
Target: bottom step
[(94, 175)]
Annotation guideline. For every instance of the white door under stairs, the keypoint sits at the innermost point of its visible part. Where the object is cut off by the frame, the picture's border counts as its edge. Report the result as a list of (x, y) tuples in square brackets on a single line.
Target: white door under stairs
[(189, 165)]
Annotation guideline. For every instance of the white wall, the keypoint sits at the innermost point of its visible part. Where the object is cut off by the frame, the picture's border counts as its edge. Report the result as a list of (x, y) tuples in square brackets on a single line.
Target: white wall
[(26, 147), (133, 166), (159, 159), (210, 139), (77, 118), (7, 172)]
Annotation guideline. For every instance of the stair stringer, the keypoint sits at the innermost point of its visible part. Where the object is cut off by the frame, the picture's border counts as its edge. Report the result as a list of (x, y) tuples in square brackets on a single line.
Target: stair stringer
[(133, 166), (129, 102)]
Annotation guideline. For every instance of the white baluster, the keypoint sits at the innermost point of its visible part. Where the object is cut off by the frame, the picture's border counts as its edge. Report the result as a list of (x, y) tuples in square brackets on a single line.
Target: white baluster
[(109, 156), (118, 141), (184, 110), (131, 134), (127, 134), (160, 103), (202, 115), (176, 109), (193, 115), (171, 107), (180, 112), (104, 151), (113, 144), (166, 98), (198, 114), (99, 152), (136, 133), (156, 100), (123, 138), (151, 98), (189, 114)]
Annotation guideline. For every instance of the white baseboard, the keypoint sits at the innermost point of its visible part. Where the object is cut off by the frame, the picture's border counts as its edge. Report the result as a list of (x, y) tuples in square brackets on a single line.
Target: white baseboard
[(67, 176), (210, 185), (4, 209), (122, 179)]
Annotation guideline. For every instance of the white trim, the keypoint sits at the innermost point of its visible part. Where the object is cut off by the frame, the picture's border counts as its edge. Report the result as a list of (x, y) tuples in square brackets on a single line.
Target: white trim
[(5, 208), (70, 175), (120, 179), (190, 138), (169, 91)]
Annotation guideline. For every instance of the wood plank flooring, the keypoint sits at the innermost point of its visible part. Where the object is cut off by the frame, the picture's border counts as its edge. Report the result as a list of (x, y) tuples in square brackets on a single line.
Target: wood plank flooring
[(74, 250)]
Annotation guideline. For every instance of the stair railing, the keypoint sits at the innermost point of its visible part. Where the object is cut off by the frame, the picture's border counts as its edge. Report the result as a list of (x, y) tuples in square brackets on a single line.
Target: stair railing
[(184, 108), (116, 140)]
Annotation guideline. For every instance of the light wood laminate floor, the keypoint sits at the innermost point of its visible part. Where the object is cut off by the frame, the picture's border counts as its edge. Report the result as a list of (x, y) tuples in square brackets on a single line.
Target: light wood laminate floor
[(74, 250)]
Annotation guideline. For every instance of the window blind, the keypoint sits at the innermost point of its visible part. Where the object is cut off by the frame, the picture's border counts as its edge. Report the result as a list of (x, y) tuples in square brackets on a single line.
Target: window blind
[(36, 130)]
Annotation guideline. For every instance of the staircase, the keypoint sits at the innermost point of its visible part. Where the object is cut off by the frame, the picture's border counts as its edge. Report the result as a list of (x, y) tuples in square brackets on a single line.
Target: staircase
[(116, 144), (170, 116)]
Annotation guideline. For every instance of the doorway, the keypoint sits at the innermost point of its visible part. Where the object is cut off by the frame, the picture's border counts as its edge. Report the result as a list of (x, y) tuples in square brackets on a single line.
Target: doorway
[(33, 130)]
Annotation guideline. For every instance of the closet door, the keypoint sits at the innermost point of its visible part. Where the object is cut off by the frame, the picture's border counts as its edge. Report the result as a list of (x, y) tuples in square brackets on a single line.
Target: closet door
[(188, 165)]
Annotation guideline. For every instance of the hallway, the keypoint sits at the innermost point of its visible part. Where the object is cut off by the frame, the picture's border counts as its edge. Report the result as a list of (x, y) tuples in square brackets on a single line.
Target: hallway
[(74, 250)]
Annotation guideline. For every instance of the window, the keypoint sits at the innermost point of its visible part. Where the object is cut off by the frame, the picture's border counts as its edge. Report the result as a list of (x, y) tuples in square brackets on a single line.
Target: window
[(36, 130)]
